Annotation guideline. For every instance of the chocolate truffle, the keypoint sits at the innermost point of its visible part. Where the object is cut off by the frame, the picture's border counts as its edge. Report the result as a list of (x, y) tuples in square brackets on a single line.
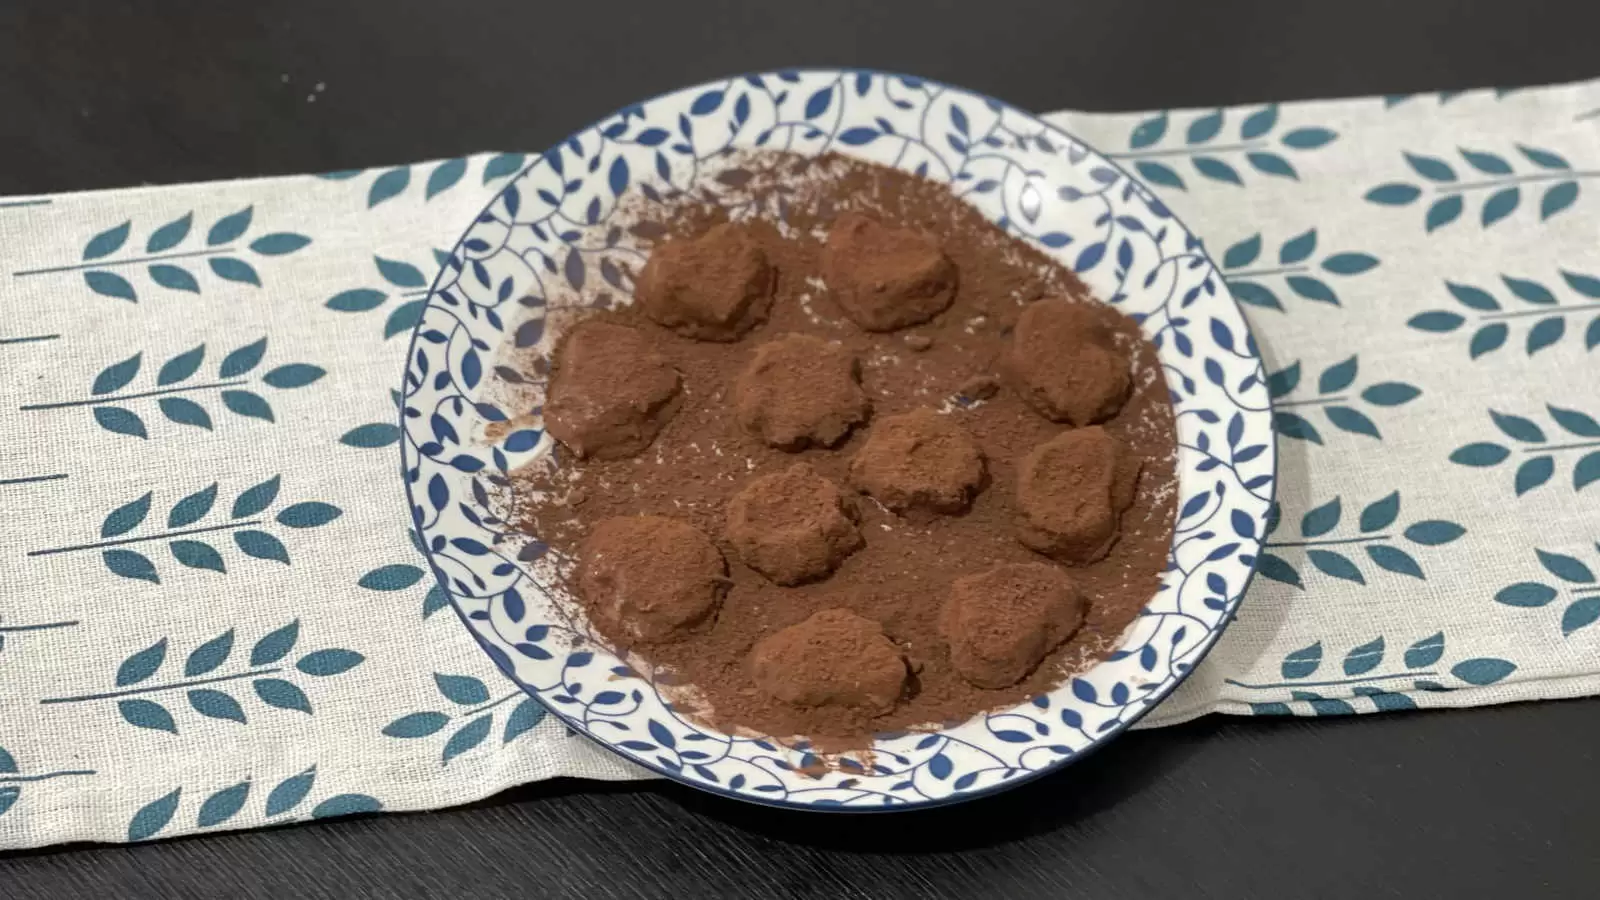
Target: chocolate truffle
[(834, 658), (1064, 364), (886, 278), (652, 578), (611, 393), (801, 391), (919, 463), (715, 287), (1001, 623), (792, 526), (1071, 493)]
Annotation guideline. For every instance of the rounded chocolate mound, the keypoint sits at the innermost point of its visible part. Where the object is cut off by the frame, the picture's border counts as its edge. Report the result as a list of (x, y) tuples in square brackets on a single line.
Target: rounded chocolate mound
[(1071, 493), (1001, 623), (886, 278), (919, 463), (792, 526), (834, 658), (652, 578), (714, 287), (1064, 364), (800, 391), (611, 393)]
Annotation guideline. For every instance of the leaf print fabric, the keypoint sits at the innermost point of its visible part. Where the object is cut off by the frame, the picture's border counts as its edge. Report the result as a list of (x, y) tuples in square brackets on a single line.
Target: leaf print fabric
[(221, 619)]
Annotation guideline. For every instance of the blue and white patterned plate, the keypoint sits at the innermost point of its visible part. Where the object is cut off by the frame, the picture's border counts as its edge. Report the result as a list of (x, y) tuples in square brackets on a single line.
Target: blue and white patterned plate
[(549, 233)]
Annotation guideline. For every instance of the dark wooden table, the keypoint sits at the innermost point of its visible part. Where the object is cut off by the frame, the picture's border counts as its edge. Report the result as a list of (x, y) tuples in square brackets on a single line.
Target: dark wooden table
[(1480, 803)]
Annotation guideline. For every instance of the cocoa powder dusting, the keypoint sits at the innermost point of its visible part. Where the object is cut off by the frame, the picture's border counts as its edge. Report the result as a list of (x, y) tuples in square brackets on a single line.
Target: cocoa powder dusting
[(901, 576)]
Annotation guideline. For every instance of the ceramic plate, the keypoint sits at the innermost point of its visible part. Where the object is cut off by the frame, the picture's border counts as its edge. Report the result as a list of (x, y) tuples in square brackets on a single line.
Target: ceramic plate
[(549, 232)]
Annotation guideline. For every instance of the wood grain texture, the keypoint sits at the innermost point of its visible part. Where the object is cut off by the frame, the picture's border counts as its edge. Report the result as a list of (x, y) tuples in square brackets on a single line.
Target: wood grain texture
[(1447, 804)]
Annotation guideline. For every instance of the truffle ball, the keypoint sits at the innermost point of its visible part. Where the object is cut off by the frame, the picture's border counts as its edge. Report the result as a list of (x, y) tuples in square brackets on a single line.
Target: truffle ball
[(919, 463), (835, 658), (1071, 493), (792, 526), (799, 391), (1064, 364), (611, 392), (652, 578), (886, 278), (715, 287), (1001, 623)]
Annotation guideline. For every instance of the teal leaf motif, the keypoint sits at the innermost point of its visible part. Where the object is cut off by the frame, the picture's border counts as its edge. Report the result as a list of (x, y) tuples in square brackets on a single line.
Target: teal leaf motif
[(444, 177), (229, 228), (377, 434), (1275, 568), (107, 242), (1335, 564), (116, 375), (197, 555), (1380, 514), (467, 737), (1397, 194), (528, 714), (261, 545), (1482, 671), (309, 515), (462, 689), (1473, 298), (1259, 122), (1544, 159), (345, 805), (290, 792), (1430, 167), (1557, 198), (129, 564), (1253, 294), (356, 300), (1501, 204), (435, 600), (1545, 333), (1159, 173), (1587, 285), (1204, 128), (1574, 422), (231, 269), (335, 661), (1322, 519), (1271, 164), (279, 244), (184, 412), (293, 375), (1433, 532), (1566, 568), (1308, 138), (208, 656), (1586, 471), (1487, 163), (126, 518), (108, 284), (256, 499), (192, 508), (1390, 393), (1395, 560), (1526, 594), (145, 714), (502, 165), (1312, 289), (1480, 455), (1298, 248), (388, 185), (1243, 253), (1425, 652), (244, 359), (275, 645), (174, 278), (1283, 381), (1216, 170), (120, 421), (1443, 211), (1352, 420), (1534, 473), (181, 366), (281, 694), (223, 805), (216, 705), (1337, 377), (153, 816), (1581, 614), (140, 666), (8, 763), (1365, 658), (1488, 339), (1517, 427), (1148, 132), (391, 578), (248, 404), (1304, 662), (400, 274), (1437, 322), (404, 318), (169, 235), (1531, 291), (1349, 263), (416, 725)]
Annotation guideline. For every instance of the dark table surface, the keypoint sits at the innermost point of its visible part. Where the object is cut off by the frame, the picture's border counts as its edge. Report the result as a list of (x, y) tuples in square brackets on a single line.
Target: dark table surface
[(1478, 803)]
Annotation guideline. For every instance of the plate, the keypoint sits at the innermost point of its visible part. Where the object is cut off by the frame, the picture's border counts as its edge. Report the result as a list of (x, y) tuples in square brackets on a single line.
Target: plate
[(549, 231)]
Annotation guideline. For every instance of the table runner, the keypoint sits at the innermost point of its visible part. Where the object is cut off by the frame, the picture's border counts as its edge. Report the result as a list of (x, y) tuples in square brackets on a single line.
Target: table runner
[(213, 615)]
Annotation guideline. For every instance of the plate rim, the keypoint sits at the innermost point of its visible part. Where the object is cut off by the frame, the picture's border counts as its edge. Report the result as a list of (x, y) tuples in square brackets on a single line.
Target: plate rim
[(1055, 766)]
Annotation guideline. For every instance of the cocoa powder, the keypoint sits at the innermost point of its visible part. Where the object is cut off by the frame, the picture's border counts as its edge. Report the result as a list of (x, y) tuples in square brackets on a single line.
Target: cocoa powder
[(900, 579)]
